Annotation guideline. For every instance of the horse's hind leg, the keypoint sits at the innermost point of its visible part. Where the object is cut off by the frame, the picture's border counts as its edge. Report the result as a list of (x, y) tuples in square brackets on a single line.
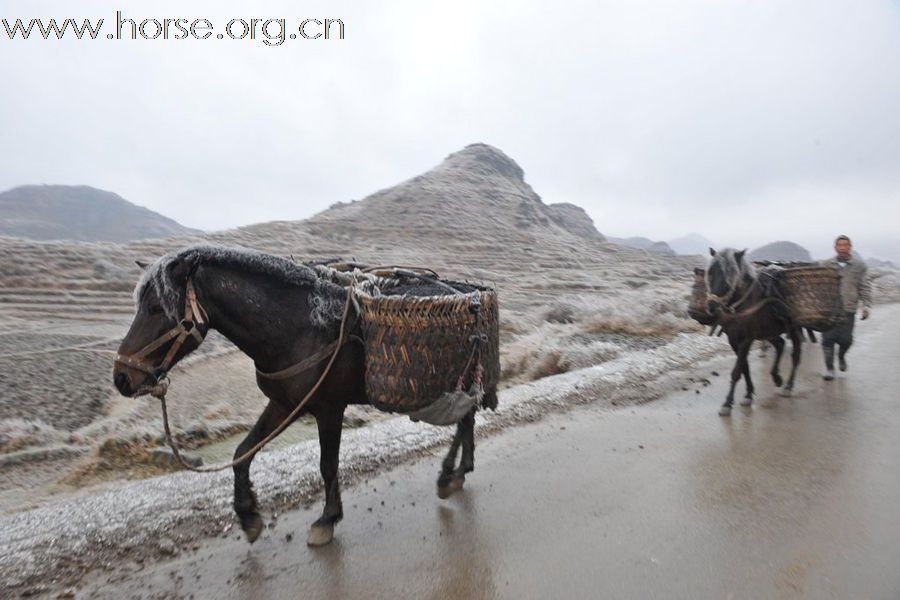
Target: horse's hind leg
[(244, 498), (445, 483), (776, 366), (330, 424), (467, 461), (452, 480)]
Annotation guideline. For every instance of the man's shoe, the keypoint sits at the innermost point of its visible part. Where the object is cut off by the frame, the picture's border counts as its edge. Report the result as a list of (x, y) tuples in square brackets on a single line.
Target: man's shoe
[(842, 363), (829, 375)]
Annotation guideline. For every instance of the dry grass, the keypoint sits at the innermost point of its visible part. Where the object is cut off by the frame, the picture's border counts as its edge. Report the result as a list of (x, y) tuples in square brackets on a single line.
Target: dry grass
[(18, 434), (650, 312), (580, 356), (547, 364), (551, 349), (126, 458), (130, 455), (666, 327), (577, 331)]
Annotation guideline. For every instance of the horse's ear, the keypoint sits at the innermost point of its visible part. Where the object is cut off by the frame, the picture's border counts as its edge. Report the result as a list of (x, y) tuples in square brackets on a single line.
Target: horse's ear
[(712, 251), (740, 255), (143, 265)]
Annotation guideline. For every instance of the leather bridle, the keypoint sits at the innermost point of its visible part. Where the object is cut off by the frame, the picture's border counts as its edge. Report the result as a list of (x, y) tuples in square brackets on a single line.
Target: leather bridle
[(730, 310), (725, 302), (188, 326)]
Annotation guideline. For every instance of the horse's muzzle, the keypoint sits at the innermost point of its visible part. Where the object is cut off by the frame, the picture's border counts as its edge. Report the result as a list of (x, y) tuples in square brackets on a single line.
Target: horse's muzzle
[(714, 304), (123, 383)]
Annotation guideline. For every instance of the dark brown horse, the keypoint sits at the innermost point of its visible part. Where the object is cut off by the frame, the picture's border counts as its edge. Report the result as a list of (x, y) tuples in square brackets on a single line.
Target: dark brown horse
[(745, 308), (280, 314)]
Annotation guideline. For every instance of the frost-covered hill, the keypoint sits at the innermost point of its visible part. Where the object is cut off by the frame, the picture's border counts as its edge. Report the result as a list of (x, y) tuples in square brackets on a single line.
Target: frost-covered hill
[(644, 244), (781, 251), (568, 298), (80, 212)]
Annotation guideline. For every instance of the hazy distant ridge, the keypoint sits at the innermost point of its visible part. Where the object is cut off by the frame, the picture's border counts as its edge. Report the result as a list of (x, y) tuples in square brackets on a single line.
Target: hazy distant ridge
[(782, 251), (81, 213)]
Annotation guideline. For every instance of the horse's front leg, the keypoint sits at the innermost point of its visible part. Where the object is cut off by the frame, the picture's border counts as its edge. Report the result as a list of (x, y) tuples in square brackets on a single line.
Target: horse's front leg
[(796, 350), (330, 424), (245, 504), (741, 348), (745, 371), (776, 366)]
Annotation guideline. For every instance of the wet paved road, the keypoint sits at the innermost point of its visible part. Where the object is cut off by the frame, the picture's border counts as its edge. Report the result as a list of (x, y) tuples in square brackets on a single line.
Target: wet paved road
[(796, 498)]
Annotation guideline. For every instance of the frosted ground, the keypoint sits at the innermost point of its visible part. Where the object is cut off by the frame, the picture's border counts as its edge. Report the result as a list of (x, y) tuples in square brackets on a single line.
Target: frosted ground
[(140, 520)]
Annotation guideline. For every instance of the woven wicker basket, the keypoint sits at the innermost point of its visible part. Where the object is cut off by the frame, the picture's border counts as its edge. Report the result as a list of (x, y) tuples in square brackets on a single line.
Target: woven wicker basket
[(697, 305), (417, 347), (813, 296)]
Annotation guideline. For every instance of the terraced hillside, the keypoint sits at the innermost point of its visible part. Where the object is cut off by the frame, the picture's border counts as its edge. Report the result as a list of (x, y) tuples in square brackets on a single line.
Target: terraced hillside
[(569, 300)]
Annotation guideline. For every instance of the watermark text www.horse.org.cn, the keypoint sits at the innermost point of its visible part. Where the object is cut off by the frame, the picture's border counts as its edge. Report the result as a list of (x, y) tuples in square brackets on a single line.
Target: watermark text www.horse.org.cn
[(269, 31)]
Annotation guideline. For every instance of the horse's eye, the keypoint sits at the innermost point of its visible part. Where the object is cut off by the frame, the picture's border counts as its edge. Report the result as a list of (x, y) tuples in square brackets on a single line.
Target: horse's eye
[(155, 309)]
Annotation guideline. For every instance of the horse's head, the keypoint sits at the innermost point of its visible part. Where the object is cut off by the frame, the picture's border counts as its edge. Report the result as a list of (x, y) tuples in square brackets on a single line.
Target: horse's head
[(725, 277), (168, 324)]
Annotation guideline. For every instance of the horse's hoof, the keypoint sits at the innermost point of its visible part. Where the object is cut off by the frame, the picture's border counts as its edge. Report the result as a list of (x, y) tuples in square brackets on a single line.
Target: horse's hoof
[(787, 392), (252, 525), (447, 488), (725, 411), (747, 401), (320, 535), (777, 380)]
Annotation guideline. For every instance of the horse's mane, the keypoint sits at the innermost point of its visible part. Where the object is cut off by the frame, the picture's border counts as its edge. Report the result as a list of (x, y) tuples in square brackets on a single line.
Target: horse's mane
[(326, 298)]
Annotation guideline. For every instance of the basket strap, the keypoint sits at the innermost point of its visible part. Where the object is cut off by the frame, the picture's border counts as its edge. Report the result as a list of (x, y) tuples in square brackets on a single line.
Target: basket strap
[(303, 365)]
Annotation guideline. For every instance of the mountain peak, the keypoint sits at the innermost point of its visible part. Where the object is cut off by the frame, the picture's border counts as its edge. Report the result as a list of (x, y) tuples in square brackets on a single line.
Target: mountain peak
[(485, 159), (575, 220), (477, 194)]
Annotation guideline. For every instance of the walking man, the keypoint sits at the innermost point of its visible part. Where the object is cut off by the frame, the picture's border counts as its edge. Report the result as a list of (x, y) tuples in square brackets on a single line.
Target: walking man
[(855, 289)]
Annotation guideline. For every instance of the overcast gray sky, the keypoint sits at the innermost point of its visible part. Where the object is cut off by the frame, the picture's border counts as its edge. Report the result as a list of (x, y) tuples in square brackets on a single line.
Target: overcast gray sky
[(745, 121)]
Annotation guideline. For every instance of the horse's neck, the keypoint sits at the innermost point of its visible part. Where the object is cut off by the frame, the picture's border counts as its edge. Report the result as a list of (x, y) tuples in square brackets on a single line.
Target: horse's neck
[(747, 287), (264, 324)]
